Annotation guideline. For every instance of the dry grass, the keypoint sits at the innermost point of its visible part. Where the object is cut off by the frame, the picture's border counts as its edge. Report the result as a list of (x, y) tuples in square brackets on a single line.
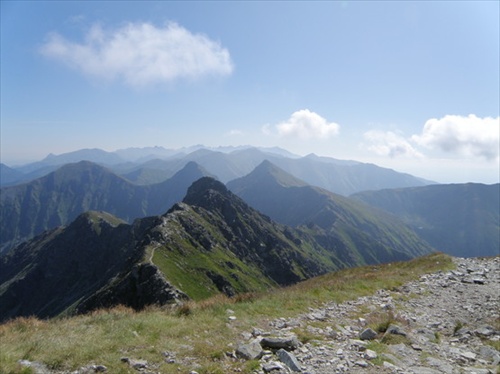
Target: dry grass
[(199, 333)]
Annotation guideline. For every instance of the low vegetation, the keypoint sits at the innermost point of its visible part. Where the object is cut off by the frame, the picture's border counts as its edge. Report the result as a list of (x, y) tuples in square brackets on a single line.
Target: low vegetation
[(198, 332)]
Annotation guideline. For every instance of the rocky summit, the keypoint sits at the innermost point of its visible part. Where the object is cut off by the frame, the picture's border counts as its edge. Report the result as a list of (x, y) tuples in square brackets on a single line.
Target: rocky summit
[(442, 323)]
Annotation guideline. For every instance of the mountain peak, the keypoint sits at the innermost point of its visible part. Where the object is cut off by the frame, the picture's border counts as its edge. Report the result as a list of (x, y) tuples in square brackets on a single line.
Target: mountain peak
[(201, 191), (267, 171), (193, 167), (95, 221)]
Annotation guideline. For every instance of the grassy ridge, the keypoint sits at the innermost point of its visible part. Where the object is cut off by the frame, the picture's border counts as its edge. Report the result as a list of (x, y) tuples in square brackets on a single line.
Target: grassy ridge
[(198, 332)]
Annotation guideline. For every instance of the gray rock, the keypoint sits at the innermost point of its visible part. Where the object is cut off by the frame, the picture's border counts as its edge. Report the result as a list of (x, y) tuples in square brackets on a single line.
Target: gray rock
[(362, 363), (289, 360), (485, 331), (36, 367), (468, 355), (360, 345), (289, 343), (469, 370), (250, 351), (91, 369), (426, 333), (489, 353), (442, 365), (135, 364), (370, 355), (271, 366), (368, 334), (395, 330), (424, 370), (390, 366)]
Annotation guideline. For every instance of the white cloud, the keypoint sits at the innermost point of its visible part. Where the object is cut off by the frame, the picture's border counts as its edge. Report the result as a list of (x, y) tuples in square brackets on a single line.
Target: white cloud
[(304, 124), (389, 144), (469, 136), (141, 54), (234, 132)]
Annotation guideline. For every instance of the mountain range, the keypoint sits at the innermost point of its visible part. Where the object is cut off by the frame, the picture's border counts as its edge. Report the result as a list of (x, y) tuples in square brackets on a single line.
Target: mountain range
[(155, 164), (211, 242), (87, 236)]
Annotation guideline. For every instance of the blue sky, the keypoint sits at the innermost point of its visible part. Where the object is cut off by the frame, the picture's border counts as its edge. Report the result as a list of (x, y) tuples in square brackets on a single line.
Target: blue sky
[(409, 85)]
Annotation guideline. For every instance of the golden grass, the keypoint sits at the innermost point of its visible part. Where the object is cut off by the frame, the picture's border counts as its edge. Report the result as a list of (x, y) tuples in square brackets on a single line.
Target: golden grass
[(200, 333)]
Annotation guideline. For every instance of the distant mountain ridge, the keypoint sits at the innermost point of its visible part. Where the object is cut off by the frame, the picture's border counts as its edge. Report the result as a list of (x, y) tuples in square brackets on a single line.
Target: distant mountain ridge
[(59, 197), (459, 219), (155, 164)]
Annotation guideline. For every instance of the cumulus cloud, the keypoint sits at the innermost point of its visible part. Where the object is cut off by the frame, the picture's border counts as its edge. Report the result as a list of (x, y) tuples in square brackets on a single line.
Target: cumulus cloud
[(389, 144), (141, 54), (304, 124), (470, 136)]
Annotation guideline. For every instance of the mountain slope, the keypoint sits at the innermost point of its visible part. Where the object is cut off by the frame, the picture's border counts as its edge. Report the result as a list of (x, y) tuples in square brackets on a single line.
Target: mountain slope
[(210, 243), (459, 219), (57, 272), (8, 175), (217, 232), (357, 232), (58, 198), (346, 177)]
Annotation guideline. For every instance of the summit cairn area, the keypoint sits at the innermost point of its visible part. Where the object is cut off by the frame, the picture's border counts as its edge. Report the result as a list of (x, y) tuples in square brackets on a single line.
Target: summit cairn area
[(446, 322)]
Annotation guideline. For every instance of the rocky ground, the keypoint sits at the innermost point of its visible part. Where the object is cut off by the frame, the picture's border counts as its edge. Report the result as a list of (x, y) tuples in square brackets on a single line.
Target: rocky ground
[(447, 322), (442, 323)]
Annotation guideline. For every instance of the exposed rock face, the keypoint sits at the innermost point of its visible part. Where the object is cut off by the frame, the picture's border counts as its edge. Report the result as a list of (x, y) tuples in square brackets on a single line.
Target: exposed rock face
[(143, 285), (449, 324)]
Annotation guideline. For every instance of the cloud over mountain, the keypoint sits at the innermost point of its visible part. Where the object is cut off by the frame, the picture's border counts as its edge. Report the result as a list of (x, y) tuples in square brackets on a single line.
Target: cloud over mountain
[(304, 124), (469, 136), (389, 144), (141, 54)]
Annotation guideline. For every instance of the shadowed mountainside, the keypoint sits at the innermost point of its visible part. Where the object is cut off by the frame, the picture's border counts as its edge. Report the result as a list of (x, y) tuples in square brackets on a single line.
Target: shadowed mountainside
[(459, 219), (59, 197)]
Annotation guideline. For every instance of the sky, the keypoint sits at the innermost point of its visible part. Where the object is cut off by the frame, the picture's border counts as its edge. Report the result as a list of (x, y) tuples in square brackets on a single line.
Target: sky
[(413, 86)]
